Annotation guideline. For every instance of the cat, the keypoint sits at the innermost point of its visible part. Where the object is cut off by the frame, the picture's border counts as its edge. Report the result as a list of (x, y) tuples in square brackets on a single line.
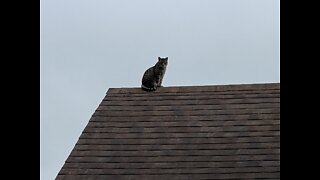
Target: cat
[(152, 77)]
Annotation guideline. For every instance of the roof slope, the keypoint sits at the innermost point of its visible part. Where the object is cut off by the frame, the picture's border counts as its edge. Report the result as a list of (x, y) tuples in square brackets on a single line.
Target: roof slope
[(196, 132)]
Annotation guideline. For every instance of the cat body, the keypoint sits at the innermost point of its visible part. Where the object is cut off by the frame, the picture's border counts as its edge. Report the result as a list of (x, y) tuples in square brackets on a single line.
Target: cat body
[(152, 78)]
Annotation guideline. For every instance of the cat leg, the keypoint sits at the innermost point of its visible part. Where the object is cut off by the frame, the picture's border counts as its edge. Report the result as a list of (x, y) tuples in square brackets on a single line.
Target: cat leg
[(155, 85), (159, 81)]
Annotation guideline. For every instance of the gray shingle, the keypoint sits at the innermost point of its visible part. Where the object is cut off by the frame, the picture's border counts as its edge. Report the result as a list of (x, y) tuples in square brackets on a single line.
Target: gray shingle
[(191, 132)]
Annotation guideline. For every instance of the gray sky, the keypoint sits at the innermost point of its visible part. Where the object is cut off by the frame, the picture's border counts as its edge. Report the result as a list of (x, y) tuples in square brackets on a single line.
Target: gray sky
[(88, 46)]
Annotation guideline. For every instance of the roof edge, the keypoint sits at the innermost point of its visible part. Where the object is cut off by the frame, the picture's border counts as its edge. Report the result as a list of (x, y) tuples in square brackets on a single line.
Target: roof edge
[(200, 88)]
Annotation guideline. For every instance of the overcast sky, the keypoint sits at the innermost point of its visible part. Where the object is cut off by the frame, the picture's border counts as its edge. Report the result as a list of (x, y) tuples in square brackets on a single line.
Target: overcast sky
[(88, 46)]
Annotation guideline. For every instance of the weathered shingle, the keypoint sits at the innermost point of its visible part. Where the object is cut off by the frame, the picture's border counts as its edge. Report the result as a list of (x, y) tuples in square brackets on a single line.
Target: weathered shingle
[(196, 132)]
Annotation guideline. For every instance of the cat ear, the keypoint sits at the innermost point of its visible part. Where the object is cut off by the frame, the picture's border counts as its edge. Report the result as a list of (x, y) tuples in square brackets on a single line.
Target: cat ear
[(166, 58), (159, 58)]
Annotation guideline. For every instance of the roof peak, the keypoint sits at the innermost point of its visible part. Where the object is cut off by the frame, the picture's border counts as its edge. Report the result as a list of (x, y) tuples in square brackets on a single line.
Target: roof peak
[(200, 88)]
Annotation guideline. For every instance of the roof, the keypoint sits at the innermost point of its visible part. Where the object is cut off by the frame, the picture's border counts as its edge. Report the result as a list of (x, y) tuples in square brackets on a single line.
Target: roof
[(187, 132)]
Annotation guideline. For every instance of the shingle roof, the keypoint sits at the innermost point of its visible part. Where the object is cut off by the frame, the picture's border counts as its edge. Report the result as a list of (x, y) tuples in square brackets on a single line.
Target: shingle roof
[(196, 132)]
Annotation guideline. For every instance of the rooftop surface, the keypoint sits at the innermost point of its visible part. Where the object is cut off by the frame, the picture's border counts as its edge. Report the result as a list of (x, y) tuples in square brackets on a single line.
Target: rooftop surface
[(187, 132)]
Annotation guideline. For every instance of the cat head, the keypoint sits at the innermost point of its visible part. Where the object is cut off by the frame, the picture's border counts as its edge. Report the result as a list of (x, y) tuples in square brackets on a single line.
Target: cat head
[(163, 61)]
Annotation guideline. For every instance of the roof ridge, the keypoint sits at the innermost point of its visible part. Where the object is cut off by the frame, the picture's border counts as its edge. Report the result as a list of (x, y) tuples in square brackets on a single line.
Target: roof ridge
[(200, 88)]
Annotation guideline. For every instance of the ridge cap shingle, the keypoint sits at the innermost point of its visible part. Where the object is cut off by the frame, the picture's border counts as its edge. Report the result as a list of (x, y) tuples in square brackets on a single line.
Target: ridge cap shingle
[(251, 86)]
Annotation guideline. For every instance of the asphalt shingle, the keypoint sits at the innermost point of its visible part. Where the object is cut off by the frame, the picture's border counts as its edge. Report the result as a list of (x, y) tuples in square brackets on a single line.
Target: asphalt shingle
[(187, 132)]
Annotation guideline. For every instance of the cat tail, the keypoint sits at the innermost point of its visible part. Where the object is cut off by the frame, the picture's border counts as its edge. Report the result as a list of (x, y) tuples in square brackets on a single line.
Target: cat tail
[(147, 88)]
